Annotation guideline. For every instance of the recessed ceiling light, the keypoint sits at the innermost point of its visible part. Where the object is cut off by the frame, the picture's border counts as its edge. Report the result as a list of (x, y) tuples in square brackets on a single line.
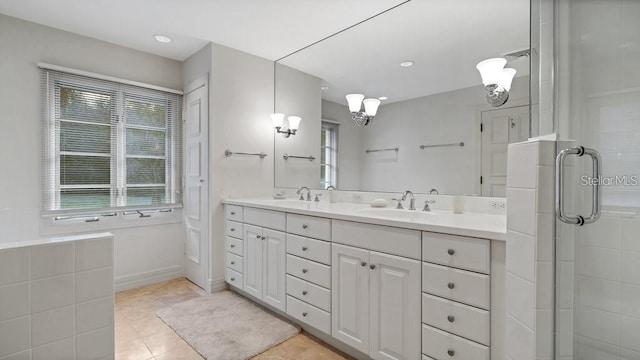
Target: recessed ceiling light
[(406, 63), (382, 98), (324, 88), (162, 38)]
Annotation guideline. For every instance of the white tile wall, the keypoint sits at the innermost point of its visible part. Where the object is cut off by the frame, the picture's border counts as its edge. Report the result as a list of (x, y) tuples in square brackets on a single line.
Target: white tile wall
[(56, 300), (530, 250)]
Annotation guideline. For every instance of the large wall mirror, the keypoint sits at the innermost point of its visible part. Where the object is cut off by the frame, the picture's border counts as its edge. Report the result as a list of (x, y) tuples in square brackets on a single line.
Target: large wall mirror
[(420, 59)]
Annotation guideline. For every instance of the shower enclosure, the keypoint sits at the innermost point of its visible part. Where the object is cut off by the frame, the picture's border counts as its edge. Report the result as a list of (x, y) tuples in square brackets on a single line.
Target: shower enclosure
[(597, 108)]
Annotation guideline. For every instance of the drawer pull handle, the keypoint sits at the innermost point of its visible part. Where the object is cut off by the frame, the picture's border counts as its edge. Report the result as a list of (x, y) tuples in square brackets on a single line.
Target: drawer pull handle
[(232, 245), (233, 279), (451, 252), (233, 263), (304, 271), (451, 352), (364, 263), (304, 314), (304, 292), (304, 226), (232, 229), (304, 248), (372, 266), (233, 213), (451, 318), (451, 285)]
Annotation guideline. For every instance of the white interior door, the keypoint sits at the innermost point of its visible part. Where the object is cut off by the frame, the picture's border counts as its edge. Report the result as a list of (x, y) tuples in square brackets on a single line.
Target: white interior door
[(196, 209), (499, 129)]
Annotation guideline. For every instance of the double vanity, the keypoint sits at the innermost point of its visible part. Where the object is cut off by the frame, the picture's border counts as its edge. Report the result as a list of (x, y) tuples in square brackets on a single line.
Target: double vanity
[(390, 284)]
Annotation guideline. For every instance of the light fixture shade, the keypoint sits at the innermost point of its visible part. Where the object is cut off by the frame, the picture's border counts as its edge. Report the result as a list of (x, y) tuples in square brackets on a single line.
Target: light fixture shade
[(355, 102), (507, 77), (277, 119), (371, 106), (491, 70), (294, 122)]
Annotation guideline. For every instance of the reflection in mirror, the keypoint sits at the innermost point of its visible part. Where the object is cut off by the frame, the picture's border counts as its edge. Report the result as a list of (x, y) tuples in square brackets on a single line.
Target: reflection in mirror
[(419, 60)]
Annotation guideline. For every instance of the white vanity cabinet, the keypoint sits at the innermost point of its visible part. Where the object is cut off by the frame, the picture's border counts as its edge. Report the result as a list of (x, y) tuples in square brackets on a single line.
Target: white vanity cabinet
[(376, 295), (456, 299), (264, 256), (234, 245)]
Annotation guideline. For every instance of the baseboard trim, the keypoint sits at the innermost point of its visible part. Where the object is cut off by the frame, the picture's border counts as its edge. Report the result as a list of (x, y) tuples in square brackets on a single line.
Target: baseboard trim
[(216, 285), (147, 278)]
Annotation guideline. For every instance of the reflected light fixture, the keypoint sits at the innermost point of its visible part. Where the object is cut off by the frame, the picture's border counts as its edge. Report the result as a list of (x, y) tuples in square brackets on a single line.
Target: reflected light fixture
[(496, 79), (356, 102), (278, 123)]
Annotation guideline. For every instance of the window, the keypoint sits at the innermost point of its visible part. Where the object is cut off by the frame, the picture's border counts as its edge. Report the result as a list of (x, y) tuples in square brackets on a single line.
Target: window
[(328, 155), (109, 145)]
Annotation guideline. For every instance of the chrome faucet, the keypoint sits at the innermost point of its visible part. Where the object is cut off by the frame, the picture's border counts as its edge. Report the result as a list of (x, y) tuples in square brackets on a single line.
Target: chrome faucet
[(299, 192), (331, 187), (433, 192), (412, 199), (426, 205)]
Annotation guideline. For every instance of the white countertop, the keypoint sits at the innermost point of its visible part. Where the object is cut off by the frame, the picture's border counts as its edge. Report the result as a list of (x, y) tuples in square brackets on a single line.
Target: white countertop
[(54, 240), (479, 225)]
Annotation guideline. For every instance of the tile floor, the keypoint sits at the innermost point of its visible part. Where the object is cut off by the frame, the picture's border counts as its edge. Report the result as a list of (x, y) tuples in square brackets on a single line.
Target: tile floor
[(140, 335)]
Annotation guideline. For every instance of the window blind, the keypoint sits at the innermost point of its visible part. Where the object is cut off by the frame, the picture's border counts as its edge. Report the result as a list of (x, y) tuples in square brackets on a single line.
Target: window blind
[(108, 145)]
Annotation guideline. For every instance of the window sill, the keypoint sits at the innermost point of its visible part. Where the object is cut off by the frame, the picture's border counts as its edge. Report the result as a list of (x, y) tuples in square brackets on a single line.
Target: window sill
[(49, 226)]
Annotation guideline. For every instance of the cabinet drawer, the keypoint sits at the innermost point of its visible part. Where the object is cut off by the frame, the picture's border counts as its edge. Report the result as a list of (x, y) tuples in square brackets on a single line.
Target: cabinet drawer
[(311, 249), (442, 345), (266, 218), (310, 226), (309, 314), (234, 229), (233, 278), (466, 321), (455, 251), (390, 240), (233, 212), (308, 270), (234, 246), (310, 293), (459, 285), (234, 262)]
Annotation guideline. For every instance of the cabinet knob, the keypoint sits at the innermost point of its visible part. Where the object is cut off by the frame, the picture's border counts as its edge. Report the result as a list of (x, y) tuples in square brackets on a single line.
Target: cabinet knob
[(233, 279), (233, 263), (304, 271), (257, 236), (304, 226), (451, 252), (263, 238), (304, 248), (233, 213), (451, 352), (451, 285), (451, 318), (304, 314), (364, 263), (304, 292), (372, 266), (232, 245), (232, 229)]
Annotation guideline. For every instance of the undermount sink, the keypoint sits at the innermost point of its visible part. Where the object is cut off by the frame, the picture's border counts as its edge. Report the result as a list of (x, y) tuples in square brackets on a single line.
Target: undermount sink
[(300, 204), (411, 215)]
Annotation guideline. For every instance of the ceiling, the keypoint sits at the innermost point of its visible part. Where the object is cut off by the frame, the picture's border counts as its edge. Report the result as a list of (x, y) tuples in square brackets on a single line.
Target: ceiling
[(267, 28), (445, 39)]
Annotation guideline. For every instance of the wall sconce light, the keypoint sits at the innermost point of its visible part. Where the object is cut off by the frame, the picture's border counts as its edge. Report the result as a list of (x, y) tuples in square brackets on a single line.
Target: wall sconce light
[(362, 118), (294, 122), (496, 79)]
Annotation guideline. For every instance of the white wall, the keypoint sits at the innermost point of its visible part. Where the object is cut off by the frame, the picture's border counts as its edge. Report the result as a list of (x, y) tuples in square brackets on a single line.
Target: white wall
[(241, 102), (140, 252), (298, 93)]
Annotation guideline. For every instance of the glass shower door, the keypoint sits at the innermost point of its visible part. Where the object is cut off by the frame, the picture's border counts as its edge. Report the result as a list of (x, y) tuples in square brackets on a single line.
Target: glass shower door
[(598, 107)]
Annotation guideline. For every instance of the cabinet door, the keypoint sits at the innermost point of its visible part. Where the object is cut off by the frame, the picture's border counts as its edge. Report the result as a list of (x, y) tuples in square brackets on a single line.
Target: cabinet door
[(350, 296), (395, 307), (253, 260), (274, 272)]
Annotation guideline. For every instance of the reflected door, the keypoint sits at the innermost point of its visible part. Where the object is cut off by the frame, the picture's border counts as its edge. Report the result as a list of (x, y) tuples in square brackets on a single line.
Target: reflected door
[(598, 264)]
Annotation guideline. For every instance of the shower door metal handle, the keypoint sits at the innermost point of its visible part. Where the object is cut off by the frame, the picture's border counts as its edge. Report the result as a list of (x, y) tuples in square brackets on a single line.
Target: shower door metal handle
[(595, 184)]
